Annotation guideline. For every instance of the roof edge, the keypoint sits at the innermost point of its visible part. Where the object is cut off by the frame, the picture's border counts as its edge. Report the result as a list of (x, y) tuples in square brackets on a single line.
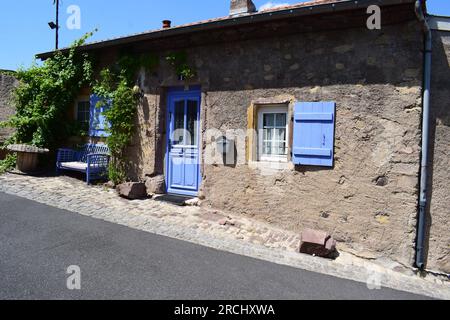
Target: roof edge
[(263, 16), (439, 23)]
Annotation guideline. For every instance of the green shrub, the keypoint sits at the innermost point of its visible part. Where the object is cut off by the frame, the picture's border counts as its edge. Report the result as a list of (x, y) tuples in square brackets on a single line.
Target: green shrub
[(115, 84), (8, 163), (43, 95)]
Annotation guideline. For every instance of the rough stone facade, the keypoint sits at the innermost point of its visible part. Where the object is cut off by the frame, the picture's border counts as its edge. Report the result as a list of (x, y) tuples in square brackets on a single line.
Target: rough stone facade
[(7, 83), (439, 236), (377, 135), (368, 200)]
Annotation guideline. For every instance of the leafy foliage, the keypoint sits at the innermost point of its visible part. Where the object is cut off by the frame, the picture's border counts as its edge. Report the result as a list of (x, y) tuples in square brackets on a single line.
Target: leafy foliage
[(8, 163), (178, 61), (130, 65), (8, 73), (43, 95), (116, 85), (120, 117)]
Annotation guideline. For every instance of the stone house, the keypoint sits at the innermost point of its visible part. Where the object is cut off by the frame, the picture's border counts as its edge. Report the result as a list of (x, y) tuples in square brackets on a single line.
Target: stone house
[(302, 116), (7, 84)]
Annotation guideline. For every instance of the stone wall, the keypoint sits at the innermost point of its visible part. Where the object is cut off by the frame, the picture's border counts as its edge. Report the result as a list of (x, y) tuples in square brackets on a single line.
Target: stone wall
[(439, 236), (7, 83), (368, 201)]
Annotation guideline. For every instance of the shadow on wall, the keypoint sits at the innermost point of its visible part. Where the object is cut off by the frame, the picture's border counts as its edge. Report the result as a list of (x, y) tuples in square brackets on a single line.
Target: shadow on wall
[(439, 116), (230, 159), (135, 152), (149, 132), (160, 133), (327, 58), (317, 50), (7, 84)]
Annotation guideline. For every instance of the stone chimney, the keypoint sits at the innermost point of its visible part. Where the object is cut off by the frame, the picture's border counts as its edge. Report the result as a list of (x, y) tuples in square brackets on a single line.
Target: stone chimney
[(241, 7)]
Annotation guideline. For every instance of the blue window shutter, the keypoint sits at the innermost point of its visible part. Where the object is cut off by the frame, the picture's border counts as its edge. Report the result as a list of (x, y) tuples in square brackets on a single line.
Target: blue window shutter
[(97, 122), (314, 133)]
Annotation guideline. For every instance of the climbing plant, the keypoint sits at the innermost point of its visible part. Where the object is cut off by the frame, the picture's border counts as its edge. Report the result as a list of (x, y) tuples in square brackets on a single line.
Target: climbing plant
[(8, 163), (42, 97), (116, 86), (43, 94), (178, 60), (8, 73)]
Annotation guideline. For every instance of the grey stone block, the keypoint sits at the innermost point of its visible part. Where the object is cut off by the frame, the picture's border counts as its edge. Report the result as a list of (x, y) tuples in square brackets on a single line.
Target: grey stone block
[(156, 185), (132, 190)]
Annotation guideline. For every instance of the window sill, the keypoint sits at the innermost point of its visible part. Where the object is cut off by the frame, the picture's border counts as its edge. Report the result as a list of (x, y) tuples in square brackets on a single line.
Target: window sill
[(274, 166)]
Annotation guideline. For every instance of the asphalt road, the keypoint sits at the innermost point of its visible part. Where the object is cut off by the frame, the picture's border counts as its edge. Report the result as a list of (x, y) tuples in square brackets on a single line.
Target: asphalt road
[(38, 243)]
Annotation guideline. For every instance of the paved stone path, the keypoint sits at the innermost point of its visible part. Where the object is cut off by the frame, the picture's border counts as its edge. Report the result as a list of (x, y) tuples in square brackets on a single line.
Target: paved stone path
[(101, 202), (208, 227)]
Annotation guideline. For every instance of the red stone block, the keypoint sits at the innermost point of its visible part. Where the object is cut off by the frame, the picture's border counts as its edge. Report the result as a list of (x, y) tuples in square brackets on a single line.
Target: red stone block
[(318, 243), (314, 236)]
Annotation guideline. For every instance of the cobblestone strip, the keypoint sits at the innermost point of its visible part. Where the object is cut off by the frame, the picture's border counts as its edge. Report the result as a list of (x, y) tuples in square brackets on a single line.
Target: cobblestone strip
[(208, 228)]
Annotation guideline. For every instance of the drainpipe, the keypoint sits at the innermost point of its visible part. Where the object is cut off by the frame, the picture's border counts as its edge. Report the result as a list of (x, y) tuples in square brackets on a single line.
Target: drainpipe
[(421, 223)]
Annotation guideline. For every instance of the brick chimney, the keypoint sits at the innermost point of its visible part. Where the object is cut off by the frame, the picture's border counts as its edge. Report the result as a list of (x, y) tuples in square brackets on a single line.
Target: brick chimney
[(241, 7)]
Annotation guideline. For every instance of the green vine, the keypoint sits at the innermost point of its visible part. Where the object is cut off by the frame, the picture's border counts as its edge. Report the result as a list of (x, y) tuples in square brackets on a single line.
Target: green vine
[(8, 73), (130, 65), (8, 163), (116, 84), (178, 61), (45, 91), (43, 94)]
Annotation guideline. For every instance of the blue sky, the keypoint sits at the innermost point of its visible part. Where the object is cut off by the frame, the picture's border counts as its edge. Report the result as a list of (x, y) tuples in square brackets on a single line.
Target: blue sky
[(24, 29)]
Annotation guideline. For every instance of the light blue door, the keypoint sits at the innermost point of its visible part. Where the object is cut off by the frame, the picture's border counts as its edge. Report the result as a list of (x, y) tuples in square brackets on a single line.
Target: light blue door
[(183, 169)]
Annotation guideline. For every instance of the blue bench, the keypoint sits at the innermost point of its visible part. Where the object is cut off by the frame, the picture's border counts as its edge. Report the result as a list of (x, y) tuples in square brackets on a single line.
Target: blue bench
[(92, 159)]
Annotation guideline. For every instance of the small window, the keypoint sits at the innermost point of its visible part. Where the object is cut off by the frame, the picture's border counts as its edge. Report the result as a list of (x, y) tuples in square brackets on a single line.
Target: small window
[(83, 113), (273, 133)]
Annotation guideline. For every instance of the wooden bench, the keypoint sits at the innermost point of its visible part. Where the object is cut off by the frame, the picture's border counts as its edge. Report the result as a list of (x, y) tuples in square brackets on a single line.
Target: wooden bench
[(92, 159)]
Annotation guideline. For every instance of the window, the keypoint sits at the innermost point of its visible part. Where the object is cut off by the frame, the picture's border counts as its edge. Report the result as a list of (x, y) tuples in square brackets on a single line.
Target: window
[(273, 133), (83, 111), (97, 124)]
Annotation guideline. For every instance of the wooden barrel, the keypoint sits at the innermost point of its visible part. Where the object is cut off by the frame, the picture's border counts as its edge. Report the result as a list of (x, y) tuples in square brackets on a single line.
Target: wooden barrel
[(27, 156), (27, 162)]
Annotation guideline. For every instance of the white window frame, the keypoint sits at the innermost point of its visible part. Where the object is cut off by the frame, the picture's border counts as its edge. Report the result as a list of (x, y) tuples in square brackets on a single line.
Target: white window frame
[(77, 101), (268, 110)]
